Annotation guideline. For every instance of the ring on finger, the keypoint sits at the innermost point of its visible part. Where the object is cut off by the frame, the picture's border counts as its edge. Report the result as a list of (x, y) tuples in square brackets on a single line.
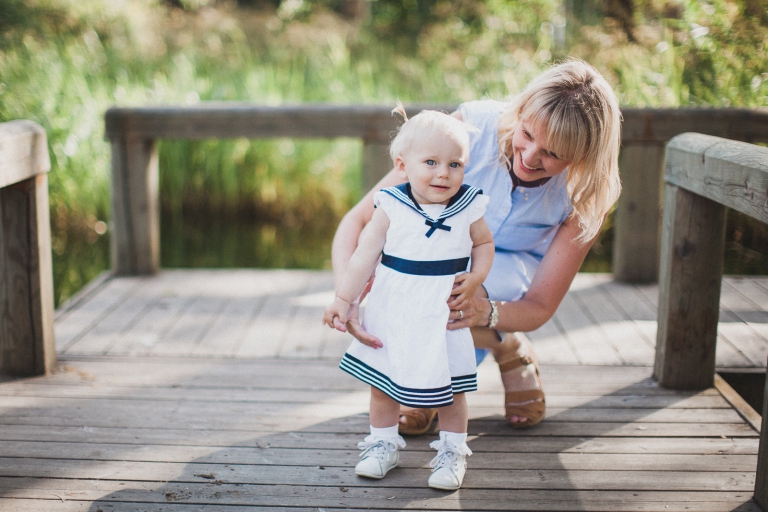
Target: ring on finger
[(461, 315)]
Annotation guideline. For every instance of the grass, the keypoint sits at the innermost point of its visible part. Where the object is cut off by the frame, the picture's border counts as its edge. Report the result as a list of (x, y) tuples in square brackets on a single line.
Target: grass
[(64, 62)]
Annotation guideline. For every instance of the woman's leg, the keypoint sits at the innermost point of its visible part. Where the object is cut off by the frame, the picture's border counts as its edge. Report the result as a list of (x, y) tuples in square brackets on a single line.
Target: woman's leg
[(523, 377)]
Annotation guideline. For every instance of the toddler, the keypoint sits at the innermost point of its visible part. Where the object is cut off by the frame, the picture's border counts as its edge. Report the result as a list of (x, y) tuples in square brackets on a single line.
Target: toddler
[(425, 232)]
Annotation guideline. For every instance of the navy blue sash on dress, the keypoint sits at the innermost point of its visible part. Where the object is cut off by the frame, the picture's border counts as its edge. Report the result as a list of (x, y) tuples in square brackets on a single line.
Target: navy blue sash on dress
[(425, 268)]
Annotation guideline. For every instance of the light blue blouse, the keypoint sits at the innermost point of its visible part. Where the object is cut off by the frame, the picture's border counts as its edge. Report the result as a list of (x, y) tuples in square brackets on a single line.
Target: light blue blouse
[(523, 222)]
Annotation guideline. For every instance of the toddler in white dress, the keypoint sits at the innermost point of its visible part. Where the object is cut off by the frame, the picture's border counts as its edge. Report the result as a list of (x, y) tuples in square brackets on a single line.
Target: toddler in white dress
[(426, 232)]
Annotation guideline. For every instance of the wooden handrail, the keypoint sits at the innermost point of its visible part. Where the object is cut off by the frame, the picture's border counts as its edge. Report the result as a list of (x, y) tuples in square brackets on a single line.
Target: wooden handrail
[(27, 344), (703, 175), (133, 132)]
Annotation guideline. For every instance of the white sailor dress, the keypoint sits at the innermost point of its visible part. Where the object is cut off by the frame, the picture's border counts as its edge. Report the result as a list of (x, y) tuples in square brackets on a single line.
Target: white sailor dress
[(421, 364)]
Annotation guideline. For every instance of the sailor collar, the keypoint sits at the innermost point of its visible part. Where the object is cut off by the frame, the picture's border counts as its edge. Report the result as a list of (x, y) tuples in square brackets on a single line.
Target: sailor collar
[(456, 204)]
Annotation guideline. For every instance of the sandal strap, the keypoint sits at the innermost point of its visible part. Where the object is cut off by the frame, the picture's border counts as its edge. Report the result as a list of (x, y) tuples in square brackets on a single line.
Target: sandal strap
[(515, 362), (524, 396)]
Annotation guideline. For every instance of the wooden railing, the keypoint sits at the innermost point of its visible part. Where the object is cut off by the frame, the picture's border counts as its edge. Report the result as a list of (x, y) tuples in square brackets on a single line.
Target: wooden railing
[(703, 176), (27, 344), (133, 132)]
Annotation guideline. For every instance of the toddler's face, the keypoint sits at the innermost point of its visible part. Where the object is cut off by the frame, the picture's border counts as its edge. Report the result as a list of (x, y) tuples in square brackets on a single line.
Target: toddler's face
[(434, 166)]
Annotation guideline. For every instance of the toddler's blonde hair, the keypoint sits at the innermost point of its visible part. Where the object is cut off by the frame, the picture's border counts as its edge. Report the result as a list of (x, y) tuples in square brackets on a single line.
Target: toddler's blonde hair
[(425, 122), (583, 125)]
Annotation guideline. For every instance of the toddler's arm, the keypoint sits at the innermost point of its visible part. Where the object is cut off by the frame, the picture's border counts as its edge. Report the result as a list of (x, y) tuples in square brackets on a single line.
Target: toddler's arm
[(482, 258), (359, 268)]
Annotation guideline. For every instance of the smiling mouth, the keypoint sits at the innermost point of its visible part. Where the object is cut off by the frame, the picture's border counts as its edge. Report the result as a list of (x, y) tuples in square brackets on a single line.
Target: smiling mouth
[(527, 169)]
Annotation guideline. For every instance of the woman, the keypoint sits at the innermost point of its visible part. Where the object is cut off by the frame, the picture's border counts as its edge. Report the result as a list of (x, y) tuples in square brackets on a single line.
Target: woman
[(548, 159)]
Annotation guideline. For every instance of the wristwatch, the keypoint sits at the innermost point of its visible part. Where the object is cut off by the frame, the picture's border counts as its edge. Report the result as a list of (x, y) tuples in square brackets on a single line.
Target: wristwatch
[(493, 318)]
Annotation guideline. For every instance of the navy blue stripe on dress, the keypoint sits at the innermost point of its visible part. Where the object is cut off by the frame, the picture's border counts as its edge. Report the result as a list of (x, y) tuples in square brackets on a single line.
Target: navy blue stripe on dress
[(464, 384), (411, 397), (425, 268)]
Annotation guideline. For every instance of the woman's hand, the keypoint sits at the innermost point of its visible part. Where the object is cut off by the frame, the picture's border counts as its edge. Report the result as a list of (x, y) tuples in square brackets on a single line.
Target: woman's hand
[(474, 314), (354, 328)]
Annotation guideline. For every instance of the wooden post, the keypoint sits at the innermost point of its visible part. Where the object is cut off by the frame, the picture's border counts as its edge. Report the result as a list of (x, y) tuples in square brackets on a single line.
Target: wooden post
[(692, 246), (376, 163), (135, 241), (27, 345), (761, 478), (704, 175), (638, 215)]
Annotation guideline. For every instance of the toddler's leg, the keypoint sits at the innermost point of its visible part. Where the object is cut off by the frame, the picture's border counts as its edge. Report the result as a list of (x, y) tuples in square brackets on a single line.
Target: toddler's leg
[(380, 448), (450, 463)]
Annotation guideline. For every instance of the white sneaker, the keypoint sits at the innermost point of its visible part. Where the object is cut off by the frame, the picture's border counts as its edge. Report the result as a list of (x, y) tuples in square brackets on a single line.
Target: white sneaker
[(450, 465), (379, 456)]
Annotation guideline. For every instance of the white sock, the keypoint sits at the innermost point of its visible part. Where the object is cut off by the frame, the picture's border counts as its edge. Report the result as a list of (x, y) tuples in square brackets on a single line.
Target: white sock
[(457, 438), (385, 433)]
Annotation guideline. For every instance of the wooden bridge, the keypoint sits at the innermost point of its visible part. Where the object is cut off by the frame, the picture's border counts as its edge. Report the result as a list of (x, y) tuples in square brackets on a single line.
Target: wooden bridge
[(219, 389)]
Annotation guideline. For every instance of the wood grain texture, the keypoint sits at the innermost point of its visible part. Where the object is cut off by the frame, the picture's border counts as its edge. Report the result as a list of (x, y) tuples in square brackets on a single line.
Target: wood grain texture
[(23, 151), (638, 214), (761, 477), (692, 248), (734, 174), (135, 239), (27, 344), (374, 123)]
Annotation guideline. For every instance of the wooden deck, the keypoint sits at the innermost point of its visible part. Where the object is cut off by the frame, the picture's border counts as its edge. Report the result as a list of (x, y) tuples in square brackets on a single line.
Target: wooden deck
[(218, 390)]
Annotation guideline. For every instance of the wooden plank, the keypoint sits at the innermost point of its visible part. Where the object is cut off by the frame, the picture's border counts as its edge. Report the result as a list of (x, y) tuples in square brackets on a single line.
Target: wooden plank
[(229, 328), (739, 404), (135, 237), (632, 302), (587, 339), (202, 395), (87, 315), (110, 326), (661, 124), (232, 120), (334, 476), (268, 332), (731, 173), (133, 438), (190, 327), (689, 290), (225, 497), (629, 343), (638, 214), (23, 151), (305, 335), (128, 412), (411, 457)]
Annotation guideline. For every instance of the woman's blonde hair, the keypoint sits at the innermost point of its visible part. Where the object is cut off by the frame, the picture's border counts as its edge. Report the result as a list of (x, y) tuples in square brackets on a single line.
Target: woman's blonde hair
[(423, 123), (583, 125)]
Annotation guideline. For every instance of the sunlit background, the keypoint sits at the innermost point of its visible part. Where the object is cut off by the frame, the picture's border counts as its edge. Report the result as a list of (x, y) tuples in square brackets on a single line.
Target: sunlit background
[(275, 203)]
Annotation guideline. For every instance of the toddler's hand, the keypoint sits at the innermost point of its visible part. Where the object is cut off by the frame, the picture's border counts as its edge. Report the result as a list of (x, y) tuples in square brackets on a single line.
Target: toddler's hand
[(464, 289), (337, 314)]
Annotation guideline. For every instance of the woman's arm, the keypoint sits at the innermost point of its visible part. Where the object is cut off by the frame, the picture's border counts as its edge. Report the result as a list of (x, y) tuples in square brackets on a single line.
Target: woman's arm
[(550, 284), (345, 240)]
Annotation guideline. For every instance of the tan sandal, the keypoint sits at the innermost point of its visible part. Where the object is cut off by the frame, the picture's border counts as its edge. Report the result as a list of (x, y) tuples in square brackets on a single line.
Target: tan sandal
[(417, 421), (534, 410)]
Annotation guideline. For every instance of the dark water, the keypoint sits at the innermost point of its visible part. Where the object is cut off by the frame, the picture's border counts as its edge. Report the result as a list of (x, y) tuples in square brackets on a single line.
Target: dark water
[(215, 241)]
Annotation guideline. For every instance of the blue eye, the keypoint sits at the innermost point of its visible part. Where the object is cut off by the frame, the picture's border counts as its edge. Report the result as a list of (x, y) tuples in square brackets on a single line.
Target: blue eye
[(454, 165), (430, 162)]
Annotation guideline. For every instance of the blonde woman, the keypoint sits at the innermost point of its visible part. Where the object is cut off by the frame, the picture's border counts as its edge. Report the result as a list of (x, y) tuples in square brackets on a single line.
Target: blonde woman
[(548, 160)]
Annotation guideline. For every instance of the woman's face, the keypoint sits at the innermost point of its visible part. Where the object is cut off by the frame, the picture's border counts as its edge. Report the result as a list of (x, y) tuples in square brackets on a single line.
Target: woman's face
[(531, 158)]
